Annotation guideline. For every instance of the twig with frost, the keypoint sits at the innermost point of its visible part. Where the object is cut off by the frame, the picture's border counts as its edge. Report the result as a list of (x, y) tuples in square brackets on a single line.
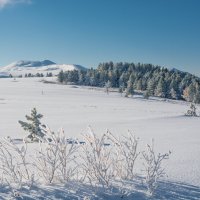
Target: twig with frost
[(126, 152), (54, 156), (67, 155), (153, 167), (97, 161), (15, 168)]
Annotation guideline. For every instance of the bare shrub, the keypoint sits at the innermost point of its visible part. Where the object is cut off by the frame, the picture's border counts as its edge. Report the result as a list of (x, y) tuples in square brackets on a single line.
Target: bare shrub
[(55, 156), (153, 169), (105, 161), (126, 153), (14, 166), (97, 159)]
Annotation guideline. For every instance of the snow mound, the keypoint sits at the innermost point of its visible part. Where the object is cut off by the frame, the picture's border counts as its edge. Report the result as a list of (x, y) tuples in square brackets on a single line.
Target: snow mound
[(23, 67)]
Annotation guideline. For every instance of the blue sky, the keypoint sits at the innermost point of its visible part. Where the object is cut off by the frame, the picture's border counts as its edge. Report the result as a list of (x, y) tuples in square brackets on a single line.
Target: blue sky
[(87, 32)]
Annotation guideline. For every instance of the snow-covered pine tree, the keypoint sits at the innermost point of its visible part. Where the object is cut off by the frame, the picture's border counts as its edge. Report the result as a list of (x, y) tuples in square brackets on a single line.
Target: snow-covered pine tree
[(129, 89), (34, 127), (107, 86), (192, 111), (161, 90), (120, 90), (146, 94), (151, 85), (61, 77)]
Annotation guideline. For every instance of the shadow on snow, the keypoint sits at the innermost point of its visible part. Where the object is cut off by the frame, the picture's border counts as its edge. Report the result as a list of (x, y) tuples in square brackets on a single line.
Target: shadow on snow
[(70, 191)]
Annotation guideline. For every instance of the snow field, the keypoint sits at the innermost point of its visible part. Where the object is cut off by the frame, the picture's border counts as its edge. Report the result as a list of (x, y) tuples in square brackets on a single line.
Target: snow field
[(74, 108)]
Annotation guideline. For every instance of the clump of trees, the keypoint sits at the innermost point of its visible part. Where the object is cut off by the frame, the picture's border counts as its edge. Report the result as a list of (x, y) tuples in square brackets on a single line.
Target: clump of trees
[(147, 78), (28, 75)]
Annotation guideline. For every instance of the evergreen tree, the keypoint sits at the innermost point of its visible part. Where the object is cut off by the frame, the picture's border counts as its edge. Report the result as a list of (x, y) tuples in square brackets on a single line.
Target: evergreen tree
[(161, 90), (151, 87), (139, 84), (123, 79), (120, 90), (174, 91), (191, 92), (197, 94), (129, 89), (146, 94), (107, 86), (49, 74), (34, 127), (80, 78), (61, 77), (192, 111), (197, 98)]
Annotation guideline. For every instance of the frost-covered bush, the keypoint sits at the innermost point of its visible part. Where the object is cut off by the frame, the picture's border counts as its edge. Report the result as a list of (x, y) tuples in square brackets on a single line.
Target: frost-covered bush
[(16, 170), (153, 169), (125, 155), (97, 157), (192, 111), (107, 158), (55, 157), (99, 160)]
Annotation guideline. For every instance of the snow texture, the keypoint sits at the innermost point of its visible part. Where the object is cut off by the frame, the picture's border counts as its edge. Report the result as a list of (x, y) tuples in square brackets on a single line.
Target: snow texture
[(76, 107)]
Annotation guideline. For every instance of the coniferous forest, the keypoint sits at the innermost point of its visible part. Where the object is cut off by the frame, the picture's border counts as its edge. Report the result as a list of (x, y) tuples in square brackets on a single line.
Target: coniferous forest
[(130, 77)]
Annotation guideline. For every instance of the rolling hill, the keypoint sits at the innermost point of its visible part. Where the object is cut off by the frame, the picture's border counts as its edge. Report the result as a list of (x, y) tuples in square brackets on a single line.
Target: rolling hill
[(23, 67)]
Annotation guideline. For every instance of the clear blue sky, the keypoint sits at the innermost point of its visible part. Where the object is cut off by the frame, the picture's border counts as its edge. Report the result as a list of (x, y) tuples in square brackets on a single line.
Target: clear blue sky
[(87, 32)]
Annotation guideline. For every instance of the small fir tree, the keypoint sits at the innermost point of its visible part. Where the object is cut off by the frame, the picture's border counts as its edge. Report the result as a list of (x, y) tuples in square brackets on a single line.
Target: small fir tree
[(192, 111), (34, 127)]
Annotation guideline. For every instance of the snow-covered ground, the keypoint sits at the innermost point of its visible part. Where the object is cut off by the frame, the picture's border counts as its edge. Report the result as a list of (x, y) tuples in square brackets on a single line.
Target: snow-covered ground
[(76, 107)]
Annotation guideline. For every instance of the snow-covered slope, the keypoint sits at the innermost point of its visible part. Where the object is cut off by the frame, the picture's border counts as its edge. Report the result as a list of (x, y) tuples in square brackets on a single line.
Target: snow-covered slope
[(25, 67)]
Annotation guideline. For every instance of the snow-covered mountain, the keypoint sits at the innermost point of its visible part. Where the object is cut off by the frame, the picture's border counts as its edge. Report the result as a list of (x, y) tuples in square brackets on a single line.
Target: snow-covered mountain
[(23, 67)]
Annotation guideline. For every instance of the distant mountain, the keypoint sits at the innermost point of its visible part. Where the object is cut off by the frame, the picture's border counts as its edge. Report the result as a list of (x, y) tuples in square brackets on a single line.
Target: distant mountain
[(23, 67)]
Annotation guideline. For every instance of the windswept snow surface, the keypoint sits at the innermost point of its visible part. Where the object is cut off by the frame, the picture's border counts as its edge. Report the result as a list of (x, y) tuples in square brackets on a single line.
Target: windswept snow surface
[(25, 67), (76, 107)]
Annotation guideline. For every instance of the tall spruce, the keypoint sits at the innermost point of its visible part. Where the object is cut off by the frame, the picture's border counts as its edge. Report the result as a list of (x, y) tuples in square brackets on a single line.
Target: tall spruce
[(130, 89), (161, 89)]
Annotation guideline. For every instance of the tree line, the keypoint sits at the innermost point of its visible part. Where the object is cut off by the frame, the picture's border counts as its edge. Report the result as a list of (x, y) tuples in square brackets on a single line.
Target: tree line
[(28, 75), (130, 77)]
